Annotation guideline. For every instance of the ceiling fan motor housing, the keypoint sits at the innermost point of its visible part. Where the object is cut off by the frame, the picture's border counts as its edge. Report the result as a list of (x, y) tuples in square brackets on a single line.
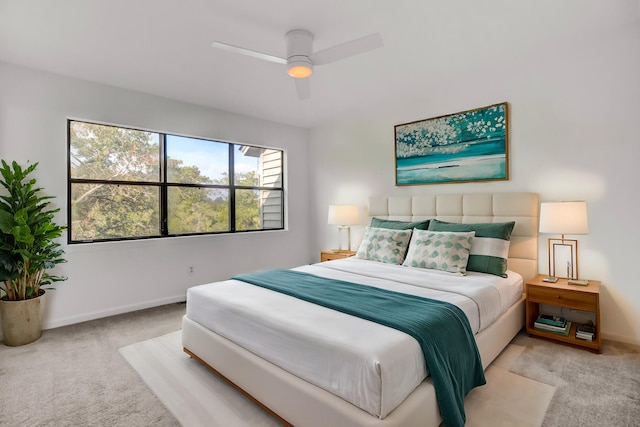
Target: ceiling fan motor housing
[(299, 50)]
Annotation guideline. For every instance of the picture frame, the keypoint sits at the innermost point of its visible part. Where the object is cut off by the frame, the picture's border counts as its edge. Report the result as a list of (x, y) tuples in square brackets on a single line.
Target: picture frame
[(468, 146)]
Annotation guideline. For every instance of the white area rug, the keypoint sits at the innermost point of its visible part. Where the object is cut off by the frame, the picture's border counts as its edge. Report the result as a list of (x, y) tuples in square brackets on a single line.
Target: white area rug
[(197, 397)]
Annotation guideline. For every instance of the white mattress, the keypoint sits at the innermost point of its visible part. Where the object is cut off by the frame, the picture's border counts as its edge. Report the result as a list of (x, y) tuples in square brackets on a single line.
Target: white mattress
[(372, 366)]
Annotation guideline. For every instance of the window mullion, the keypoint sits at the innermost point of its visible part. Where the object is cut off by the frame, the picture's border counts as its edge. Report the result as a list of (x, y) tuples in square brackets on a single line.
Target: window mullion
[(232, 191), (164, 204)]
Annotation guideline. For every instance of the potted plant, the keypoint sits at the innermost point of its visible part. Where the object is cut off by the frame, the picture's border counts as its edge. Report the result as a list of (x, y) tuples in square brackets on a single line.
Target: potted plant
[(27, 250)]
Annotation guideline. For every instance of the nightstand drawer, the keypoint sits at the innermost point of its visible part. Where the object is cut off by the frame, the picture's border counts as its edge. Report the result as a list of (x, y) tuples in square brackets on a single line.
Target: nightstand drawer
[(569, 299)]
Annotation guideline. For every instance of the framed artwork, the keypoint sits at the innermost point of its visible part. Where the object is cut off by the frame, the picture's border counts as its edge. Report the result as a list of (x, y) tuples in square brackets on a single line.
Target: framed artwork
[(461, 147)]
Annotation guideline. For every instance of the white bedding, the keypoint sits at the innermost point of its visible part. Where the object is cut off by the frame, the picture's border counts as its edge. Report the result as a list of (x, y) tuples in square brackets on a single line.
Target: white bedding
[(372, 366)]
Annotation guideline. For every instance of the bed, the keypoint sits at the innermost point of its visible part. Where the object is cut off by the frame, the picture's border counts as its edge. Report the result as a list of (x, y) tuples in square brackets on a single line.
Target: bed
[(308, 389)]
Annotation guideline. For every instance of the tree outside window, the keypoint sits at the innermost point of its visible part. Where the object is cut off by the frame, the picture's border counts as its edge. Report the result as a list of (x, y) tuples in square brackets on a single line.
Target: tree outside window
[(129, 184)]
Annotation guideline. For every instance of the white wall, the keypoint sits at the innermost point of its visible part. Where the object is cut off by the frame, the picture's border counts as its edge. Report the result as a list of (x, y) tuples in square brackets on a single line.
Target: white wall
[(574, 112), (111, 278)]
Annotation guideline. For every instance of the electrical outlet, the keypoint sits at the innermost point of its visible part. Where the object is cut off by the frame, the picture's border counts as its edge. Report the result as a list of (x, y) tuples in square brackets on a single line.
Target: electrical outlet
[(190, 270)]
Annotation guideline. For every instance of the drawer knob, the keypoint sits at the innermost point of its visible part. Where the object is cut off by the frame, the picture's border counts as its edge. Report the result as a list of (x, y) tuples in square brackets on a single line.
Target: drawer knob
[(558, 296)]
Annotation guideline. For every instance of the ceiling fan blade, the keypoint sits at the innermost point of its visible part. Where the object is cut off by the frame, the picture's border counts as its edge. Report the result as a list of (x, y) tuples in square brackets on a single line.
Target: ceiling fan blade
[(248, 52), (345, 50), (303, 87)]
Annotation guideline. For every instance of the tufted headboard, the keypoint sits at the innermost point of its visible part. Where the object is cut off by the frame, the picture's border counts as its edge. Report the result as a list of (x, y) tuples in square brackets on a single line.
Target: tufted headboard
[(473, 208)]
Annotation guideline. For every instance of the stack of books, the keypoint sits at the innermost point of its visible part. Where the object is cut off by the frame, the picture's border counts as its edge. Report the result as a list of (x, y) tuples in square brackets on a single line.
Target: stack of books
[(554, 324), (586, 332)]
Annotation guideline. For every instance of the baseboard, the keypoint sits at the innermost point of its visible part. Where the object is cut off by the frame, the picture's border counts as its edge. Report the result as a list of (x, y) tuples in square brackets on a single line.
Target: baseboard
[(112, 312), (620, 339)]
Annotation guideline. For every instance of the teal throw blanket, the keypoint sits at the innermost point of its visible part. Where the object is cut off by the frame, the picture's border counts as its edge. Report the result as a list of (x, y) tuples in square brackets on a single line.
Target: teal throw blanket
[(441, 328)]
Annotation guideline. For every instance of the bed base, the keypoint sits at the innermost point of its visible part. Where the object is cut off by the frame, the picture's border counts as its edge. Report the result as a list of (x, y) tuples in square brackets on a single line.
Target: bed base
[(294, 401), (231, 383)]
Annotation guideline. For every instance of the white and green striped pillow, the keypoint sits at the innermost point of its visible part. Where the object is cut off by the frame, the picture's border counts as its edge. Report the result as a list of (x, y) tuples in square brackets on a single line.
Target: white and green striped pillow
[(490, 247)]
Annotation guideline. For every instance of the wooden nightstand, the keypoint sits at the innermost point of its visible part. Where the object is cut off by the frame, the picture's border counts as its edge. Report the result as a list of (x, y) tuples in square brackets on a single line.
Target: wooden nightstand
[(331, 254), (562, 294)]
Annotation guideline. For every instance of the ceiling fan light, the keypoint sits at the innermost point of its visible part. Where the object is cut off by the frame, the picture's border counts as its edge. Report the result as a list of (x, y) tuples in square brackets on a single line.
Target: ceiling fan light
[(300, 71), (299, 67)]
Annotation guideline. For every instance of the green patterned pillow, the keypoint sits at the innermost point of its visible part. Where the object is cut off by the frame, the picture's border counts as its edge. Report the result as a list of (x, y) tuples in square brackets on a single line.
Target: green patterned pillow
[(399, 225), (446, 251), (490, 248), (384, 245)]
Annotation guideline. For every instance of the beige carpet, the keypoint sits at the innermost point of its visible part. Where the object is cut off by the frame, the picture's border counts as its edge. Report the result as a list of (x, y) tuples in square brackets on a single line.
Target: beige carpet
[(591, 389), (196, 397), (74, 376)]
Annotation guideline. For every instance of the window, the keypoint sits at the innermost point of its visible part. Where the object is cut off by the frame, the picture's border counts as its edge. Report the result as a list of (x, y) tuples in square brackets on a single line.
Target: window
[(132, 184)]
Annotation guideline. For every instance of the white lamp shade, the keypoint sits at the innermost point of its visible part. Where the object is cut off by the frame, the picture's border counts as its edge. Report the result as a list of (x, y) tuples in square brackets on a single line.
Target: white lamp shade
[(564, 218), (343, 215)]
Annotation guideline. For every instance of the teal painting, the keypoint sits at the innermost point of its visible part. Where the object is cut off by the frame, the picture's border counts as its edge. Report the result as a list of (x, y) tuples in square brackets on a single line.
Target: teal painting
[(461, 147)]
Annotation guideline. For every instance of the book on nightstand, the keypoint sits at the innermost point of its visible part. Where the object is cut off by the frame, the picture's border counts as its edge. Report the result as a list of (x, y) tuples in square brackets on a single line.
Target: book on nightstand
[(547, 319), (584, 337), (586, 332), (553, 329)]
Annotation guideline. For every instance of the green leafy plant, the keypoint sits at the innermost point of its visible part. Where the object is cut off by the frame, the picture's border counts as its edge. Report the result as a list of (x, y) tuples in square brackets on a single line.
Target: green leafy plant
[(27, 235)]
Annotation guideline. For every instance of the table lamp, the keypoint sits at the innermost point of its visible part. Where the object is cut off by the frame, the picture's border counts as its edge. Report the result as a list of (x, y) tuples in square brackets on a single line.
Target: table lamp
[(564, 218)]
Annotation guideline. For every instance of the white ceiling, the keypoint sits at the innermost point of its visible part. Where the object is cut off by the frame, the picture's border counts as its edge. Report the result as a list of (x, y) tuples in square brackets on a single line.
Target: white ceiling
[(162, 47)]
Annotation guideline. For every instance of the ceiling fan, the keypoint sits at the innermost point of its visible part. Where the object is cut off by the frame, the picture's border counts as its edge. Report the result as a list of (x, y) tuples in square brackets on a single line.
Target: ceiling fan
[(301, 58)]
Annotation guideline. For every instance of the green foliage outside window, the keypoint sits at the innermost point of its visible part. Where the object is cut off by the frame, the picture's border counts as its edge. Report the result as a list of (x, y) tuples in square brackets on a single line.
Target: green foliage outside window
[(116, 189)]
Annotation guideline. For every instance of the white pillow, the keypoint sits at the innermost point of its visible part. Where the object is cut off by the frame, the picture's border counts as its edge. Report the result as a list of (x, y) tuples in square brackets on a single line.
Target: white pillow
[(384, 245), (440, 250)]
